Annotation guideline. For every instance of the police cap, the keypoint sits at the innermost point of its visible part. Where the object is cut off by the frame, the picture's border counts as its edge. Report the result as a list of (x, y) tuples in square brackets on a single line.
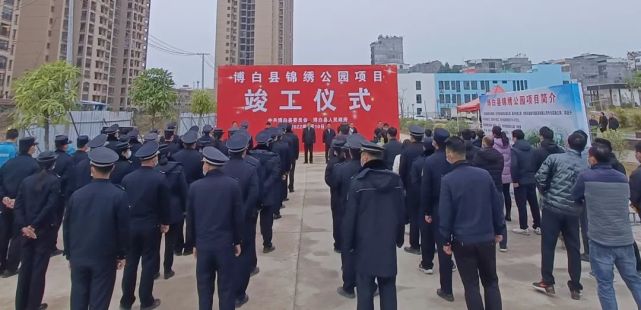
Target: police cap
[(147, 151), (338, 143), (237, 143), (61, 140), (119, 146), (81, 141), (263, 137), (151, 137), (417, 131), (355, 141), (207, 129), (113, 129), (194, 128), (213, 156), (440, 135), (46, 157), (102, 157), (190, 137), (98, 141), (372, 148), (218, 130)]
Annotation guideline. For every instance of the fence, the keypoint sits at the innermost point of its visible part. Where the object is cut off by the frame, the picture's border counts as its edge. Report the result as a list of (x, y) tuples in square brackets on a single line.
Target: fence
[(88, 123), (187, 120)]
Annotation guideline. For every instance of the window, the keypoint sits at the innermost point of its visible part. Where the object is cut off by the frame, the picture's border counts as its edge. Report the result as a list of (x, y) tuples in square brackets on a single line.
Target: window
[(441, 98), (487, 85), (495, 82), (466, 85), (514, 86), (467, 98), (447, 85), (418, 85), (458, 86), (525, 84), (441, 85), (448, 99), (475, 85), (419, 98), (458, 99), (504, 82), (475, 96), (419, 111)]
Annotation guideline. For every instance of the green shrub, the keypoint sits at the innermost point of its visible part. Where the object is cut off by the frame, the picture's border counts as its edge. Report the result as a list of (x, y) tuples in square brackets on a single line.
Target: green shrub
[(635, 120), (617, 138)]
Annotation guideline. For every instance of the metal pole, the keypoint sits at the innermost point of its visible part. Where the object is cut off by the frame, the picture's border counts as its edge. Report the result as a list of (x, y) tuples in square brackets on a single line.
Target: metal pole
[(202, 80), (70, 17)]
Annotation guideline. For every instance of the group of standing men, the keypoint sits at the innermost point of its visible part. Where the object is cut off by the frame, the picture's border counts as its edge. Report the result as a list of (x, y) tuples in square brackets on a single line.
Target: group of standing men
[(115, 198)]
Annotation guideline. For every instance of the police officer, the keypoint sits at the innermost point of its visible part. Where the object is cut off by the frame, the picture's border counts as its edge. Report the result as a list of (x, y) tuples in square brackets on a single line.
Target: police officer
[(270, 187), (410, 153), (375, 196), (81, 152), (172, 140), (294, 146), (95, 232), (148, 194), (335, 159), (134, 146), (178, 188), (434, 168), (124, 165), (206, 137), (112, 134), (282, 148), (83, 168), (341, 180), (247, 176), (216, 229), (12, 173), (36, 218), (217, 141), (191, 160)]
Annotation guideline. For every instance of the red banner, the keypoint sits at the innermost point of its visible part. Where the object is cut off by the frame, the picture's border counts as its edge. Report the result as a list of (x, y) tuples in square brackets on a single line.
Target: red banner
[(363, 95)]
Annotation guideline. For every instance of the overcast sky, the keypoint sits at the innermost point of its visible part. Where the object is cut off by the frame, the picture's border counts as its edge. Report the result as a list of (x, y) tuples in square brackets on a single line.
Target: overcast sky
[(340, 31)]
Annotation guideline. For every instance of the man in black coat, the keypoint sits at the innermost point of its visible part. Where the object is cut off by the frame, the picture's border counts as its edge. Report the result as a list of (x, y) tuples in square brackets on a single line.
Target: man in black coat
[(410, 153), (341, 180), (546, 148), (283, 149), (247, 177), (216, 229), (82, 170), (295, 147), (523, 170), (178, 187), (375, 196), (96, 232), (603, 122), (191, 160), (392, 148), (434, 168), (65, 169), (328, 135), (81, 151), (470, 148), (309, 138), (35, 208), (124, 165), (172, 140), (471, 222), (270, 187), (148, 193), (12, 173), (134, 146), (336, 159), (217, 141)]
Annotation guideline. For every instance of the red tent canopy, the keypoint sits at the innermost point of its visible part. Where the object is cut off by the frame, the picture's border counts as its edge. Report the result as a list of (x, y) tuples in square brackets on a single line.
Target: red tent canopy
[(475, 105)]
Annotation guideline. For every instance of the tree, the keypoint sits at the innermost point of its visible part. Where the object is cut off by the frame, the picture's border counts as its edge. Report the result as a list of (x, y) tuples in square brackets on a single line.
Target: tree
[(153, 92), (45, 96), (635, 81), (202, 102)]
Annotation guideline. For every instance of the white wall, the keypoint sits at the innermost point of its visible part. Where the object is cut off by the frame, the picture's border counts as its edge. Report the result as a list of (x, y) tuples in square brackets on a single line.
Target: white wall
[(408, 107)]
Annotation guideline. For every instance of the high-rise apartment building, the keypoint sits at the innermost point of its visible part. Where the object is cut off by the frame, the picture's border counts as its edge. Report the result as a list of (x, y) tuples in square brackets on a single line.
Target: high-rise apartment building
[(387, 50), (109, 43), (254, 32)]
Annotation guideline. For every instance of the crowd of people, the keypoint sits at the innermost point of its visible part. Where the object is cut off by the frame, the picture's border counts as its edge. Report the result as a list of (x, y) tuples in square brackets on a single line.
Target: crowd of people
[(119, 193)]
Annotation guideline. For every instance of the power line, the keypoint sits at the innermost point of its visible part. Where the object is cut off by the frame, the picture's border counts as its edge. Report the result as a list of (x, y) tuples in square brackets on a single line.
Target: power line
[(168, 46)]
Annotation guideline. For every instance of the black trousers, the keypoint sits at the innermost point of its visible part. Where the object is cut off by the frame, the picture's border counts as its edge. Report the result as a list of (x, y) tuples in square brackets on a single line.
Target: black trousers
[(524, 195), (507, 199), (291, 176), (552, 225), (267, 224), (478, 261), (584, 231), (171, 238), (327, 148), (309, 150), (337, 219), (144, 245), (35, 261), (367, 287), (92, 284), (416, 217), (180, 243), (348, 263), (247, 260), (9, 242), (208, 265), (430, 237)]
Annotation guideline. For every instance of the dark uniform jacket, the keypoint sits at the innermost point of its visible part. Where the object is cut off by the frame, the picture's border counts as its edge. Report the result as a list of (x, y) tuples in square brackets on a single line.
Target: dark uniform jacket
[(492, 161), (283, 150), (135, 162), (342, 176), (373, 225), (247, 177), (12, 173), (328, 136), (148, 193), (220, 145), (523, 167), (178, 188), (269, 174), (37, 200), (192, 162), (470, 150), (330, 171), (64, 168), (79, 156), (96, 223), (82, 172), (122, 168), (434, 168), (392, 148), (472, 215), (215, 226), (294, 145), (173, 147), (408, 155), (413, 187), (309, 135)]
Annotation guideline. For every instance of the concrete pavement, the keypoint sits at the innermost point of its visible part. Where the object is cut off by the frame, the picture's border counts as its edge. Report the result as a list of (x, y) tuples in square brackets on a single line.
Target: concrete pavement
[(304, 272)]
